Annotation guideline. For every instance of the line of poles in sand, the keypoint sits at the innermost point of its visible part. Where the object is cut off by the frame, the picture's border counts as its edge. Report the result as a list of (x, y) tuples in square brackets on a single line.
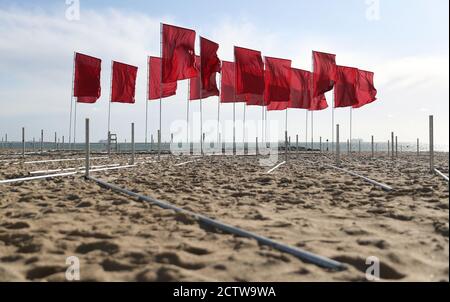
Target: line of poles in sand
[(392, 145), (299, 253)]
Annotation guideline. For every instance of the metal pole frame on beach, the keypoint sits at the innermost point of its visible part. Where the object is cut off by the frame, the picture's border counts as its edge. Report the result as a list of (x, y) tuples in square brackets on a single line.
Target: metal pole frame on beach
[(133, 149), (23, 142), (71, 101), (431, 138), (88, 150), (338, 148), (146, 103)]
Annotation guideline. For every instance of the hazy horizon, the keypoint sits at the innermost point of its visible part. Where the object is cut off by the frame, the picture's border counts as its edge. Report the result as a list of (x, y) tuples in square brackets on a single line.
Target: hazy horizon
[(404, 43)]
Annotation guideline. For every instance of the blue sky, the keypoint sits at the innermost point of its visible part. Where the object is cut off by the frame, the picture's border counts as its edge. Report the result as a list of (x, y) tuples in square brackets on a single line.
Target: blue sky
[(407, 47)]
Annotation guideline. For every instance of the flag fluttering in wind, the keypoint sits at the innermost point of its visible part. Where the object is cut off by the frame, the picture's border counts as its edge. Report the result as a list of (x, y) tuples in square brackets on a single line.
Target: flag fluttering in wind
[(318, 103), (366, 89), (345, 89), (324, 72), (277, 106), (87, 87), (249, 71), (196, 91), (210, 64), (301, 89), (300, 94), (254, 99), (156, 89), (277, 79), (228, 84), (178, 54), (123, 83)]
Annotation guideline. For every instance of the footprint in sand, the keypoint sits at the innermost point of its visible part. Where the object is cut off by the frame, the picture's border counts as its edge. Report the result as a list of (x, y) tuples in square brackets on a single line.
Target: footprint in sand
[(41, 272), (198, 251), (110, 265), (441, 228), (105, 246), (15, 225), (174, 259)]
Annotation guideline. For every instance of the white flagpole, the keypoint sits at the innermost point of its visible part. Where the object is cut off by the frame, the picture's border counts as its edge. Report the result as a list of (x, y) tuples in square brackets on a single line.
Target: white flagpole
[(75, 124), (312, 129), (187, 114), (262, 122), (160, 90), (332, 122), (243, 130), (351, 110), (234, 126), (201, 121), (218, 110), (146, 103), (306, 130), (266, 137), (109, 109), (201, 100), (71, 100)]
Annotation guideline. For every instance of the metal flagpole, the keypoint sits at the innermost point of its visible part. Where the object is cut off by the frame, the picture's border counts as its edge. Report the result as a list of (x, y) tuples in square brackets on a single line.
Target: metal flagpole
[(332, 122), (146, 102), (71, 99), (312, 112), (306, 130), (286, 136), (234, 112), (262, 123), (351, 110), (109, 109), (243, 132), (201, 121), (218, 111), (187, 113), (267, 136), (75, 125), (201, 100), (312, 129), (160, 89), (234, 126)]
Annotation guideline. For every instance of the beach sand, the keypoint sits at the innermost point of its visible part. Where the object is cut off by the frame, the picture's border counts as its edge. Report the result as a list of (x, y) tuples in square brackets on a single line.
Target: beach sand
[(302, 203)]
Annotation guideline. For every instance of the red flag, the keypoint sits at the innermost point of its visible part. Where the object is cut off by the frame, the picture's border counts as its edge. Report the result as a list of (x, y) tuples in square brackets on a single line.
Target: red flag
[(195, 84), (319, 103), (210, 64), (324, 72), (87, 87), (228, 82), (254, 99), (300, 92), (249, 71), (275, 106), (178, 54), (345, 89), (277, 79), (123, 83), (366, 89), (154, 81)]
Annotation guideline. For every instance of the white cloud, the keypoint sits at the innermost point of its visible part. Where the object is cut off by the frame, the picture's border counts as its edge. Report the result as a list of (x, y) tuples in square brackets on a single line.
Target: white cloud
[(36, 51)]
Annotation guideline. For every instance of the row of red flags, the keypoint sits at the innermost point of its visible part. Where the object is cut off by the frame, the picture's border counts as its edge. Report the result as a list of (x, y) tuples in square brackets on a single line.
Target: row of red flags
[(271, 82)]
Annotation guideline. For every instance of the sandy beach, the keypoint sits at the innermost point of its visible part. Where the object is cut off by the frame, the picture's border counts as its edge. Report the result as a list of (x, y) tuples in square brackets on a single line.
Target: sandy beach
[(302, 203)]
